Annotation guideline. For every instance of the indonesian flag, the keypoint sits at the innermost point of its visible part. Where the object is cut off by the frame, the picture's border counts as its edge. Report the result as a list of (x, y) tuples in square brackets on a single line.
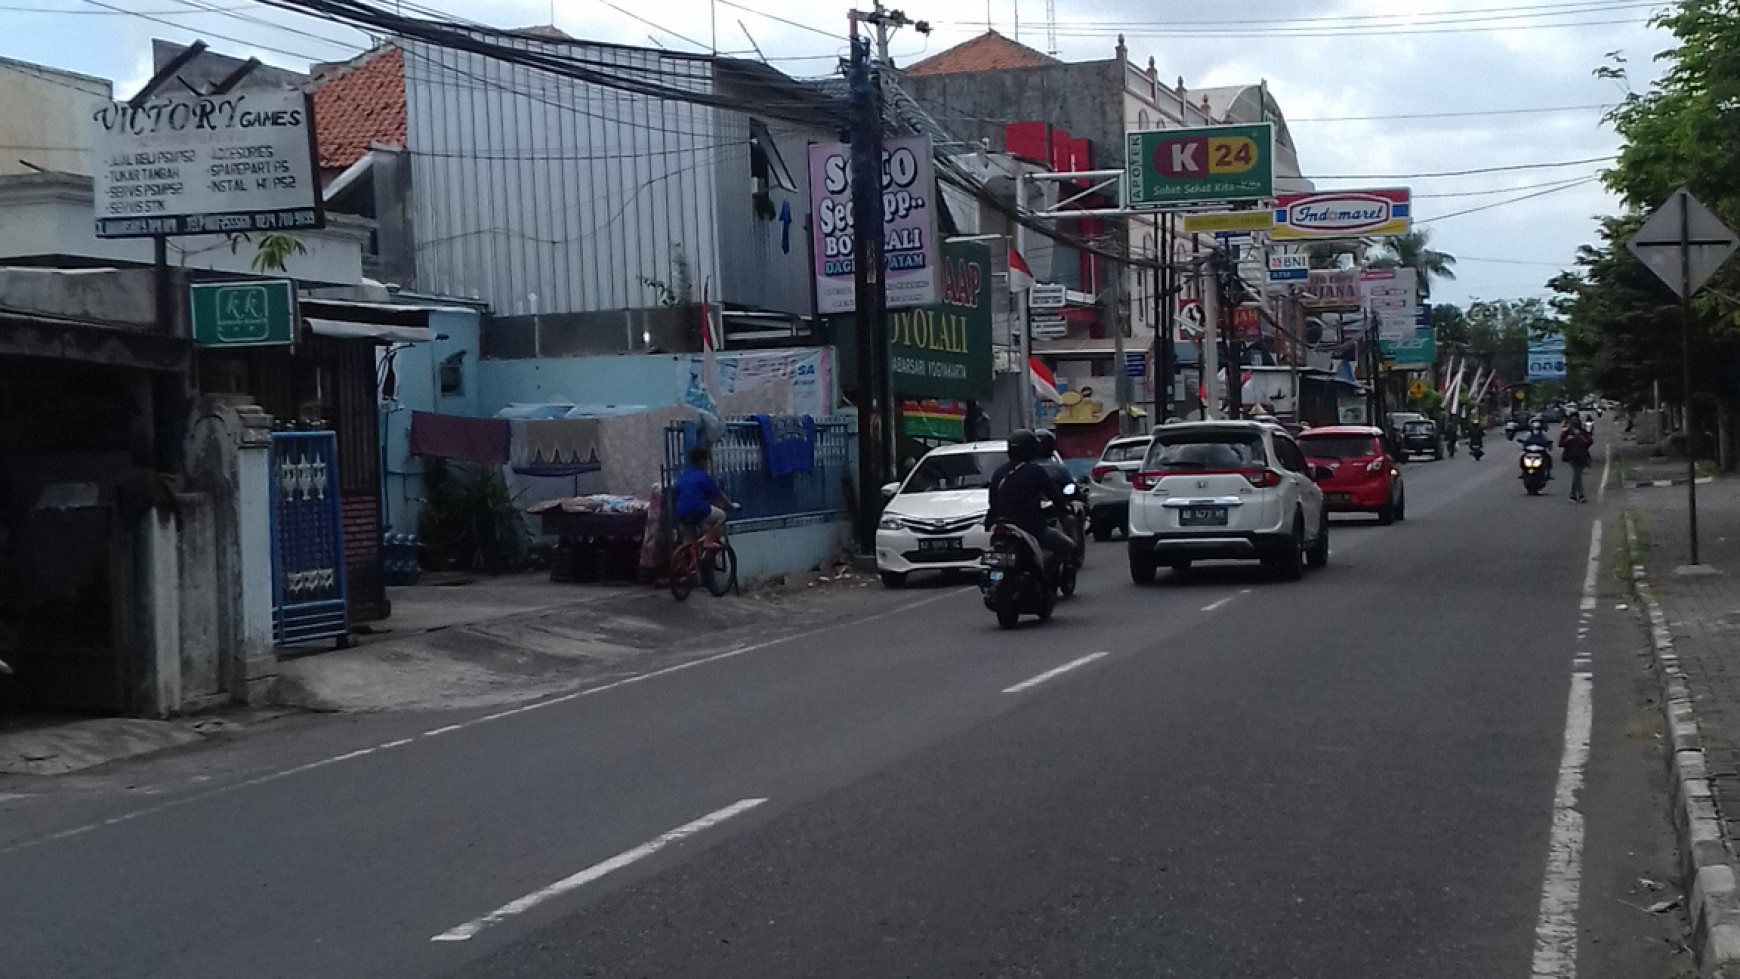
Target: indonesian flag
[(1020, 276), (709, 342), (1044, 383)]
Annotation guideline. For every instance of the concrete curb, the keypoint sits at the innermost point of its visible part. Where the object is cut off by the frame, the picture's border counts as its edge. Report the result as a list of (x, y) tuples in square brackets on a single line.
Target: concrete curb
[(1711, 883), (1649, 483)]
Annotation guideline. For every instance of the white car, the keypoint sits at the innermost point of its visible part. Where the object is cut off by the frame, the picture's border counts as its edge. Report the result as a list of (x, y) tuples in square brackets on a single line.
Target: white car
[(1108, 495), (934, 519), (1237, 490)]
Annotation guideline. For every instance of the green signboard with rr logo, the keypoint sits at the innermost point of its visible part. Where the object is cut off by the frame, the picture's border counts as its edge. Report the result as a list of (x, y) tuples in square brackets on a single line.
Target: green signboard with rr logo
[(254, 313)]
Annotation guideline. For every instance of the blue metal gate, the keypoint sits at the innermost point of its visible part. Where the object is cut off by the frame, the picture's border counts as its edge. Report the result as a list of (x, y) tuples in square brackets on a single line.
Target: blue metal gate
[(308, 587)]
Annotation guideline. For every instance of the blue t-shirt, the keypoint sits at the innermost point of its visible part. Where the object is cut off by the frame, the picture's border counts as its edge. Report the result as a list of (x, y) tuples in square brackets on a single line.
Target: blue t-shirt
[(695, 493)]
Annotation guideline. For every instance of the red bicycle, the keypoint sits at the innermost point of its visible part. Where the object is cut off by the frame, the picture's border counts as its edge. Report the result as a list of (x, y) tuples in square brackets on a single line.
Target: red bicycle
[(705, 555)]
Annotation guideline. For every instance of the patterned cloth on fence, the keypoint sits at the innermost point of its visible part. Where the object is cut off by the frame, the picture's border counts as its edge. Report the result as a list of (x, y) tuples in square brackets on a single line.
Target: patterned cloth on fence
[(481, 440), (554, 447), (790, 441)]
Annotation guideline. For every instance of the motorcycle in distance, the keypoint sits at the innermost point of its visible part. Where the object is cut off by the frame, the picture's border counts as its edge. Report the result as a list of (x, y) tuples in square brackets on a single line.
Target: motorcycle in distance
[(1476, 449), (1019, 577), (1536, 469)]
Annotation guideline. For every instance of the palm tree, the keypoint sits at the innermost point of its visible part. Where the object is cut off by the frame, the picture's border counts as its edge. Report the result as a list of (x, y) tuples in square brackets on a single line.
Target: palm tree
[(1412, 251)]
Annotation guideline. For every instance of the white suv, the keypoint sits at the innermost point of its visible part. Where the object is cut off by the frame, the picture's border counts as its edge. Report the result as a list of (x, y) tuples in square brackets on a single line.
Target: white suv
[(1226, 490)]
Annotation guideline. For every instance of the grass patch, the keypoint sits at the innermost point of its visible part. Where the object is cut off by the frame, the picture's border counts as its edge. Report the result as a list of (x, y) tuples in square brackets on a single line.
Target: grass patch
[(1621, 471), (1706, 467), (1631, 549)]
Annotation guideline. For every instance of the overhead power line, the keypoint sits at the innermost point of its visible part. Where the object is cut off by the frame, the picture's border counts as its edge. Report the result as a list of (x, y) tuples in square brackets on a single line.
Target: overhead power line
[(1460, 173), (1506, 203), (1472, 113), (1530, 10)]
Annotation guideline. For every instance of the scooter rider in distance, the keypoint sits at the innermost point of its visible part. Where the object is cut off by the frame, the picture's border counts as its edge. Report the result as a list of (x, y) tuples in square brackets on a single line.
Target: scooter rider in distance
[(1019, 489), (1538, 437)]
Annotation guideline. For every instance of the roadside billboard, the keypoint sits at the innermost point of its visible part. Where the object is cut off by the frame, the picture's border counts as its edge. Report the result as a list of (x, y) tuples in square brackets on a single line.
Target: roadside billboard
[(1331, 214), (909, 257), (942, 350), (194, 165), (1547, 359), (1202, 165)]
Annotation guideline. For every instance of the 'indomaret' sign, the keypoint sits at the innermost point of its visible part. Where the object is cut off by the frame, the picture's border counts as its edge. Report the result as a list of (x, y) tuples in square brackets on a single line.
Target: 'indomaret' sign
[(191, 165)]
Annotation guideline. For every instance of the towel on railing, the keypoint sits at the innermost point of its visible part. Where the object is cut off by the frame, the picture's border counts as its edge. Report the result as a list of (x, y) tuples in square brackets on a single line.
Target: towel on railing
[(554, 447), (790, 443), (481, 440)]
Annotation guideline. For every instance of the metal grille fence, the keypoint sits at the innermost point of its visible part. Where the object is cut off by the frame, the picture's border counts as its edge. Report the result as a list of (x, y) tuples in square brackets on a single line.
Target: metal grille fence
[(740, 469)]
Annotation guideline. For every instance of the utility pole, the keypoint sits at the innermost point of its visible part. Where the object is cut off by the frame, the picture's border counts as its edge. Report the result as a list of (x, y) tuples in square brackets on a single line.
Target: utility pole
[(1685, 291), (1027, 397), (886, 23), (864, 105), (1211, 337), (1121, 317)]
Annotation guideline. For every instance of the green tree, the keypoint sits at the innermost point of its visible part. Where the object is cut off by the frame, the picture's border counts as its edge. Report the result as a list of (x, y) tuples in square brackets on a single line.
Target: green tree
[(1413, 251), (274, 250)]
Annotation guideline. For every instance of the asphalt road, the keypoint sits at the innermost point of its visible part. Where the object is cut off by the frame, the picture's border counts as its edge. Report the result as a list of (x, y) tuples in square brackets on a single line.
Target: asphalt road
[(1363, 774)]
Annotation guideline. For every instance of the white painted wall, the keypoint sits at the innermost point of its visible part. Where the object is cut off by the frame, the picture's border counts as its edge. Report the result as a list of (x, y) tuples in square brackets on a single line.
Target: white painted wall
[(46, 117)]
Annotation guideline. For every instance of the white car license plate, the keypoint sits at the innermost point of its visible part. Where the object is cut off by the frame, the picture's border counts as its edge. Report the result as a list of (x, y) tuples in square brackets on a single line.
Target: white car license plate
[(939, 543), (1202, 516)]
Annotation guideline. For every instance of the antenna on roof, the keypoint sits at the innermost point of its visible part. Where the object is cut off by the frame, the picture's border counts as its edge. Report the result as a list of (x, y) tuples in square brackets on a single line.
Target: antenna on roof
[(1051, 27)]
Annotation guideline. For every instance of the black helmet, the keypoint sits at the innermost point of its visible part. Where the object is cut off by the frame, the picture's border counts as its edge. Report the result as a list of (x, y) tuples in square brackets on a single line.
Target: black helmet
[(1023, 445), (1047, 442)]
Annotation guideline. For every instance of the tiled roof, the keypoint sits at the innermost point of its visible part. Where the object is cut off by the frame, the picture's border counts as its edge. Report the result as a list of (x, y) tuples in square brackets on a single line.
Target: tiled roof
[(359, 106), (989, 51)]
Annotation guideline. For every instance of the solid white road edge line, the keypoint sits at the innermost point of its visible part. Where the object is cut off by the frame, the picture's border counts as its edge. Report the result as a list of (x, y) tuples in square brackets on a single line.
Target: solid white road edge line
[(1058, 671), (466, 931), (1561, 886), (1593, 573), (1606, 468)]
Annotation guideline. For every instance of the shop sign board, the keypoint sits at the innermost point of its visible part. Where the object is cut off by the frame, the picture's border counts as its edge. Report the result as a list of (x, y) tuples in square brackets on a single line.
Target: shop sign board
[(1167, 167), (910, 255), (942, 350), (1332, 214), (1240, 222), (194, 165), (255, 313)]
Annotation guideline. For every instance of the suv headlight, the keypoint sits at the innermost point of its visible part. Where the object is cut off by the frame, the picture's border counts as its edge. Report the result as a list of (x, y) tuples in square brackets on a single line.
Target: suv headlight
[(890, 523)]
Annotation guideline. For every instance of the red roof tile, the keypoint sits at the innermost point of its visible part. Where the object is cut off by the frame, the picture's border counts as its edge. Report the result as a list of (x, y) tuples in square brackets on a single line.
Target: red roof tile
[(359, 106), (989, 51)]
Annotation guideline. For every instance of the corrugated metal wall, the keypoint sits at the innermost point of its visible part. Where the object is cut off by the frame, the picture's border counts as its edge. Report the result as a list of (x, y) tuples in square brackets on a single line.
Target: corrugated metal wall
[(539, 194)]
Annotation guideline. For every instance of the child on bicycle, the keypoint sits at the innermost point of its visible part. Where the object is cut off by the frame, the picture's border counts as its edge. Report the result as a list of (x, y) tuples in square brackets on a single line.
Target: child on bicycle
[(698, 499)]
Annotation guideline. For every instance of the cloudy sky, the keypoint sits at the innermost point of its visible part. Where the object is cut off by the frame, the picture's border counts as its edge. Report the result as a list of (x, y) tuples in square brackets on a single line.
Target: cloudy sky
[(1378, 92)]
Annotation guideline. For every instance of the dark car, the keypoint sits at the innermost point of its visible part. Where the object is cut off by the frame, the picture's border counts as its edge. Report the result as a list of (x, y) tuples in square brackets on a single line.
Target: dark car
[(1421, 438)]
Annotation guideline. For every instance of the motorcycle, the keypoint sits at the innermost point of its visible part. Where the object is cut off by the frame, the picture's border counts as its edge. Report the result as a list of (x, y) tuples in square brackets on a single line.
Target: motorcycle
[(1476, 450), (1536, 464), (1020, 578)]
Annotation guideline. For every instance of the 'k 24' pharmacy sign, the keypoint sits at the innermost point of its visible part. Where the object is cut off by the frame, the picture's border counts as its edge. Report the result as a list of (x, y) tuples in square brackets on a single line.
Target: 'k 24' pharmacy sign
[(1341, 214)]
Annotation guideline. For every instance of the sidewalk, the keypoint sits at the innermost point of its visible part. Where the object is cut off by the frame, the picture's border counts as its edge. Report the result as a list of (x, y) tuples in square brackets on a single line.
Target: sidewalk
[(1696, 648), (1702, 610)]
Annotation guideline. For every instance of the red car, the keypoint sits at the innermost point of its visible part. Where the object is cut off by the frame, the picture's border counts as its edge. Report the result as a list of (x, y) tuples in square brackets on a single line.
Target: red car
[(1365, 477)]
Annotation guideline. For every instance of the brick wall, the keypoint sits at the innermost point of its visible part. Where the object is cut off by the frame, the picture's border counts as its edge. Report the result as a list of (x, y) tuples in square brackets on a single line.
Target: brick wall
[(362, 557)]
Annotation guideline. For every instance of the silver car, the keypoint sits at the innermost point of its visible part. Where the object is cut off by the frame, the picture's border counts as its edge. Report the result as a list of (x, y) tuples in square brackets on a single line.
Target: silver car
[(1108, 493)]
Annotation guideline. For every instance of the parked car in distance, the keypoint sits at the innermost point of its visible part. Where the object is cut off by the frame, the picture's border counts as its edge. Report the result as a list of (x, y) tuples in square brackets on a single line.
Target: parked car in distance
[(1108, 495), (1421, 438), (1237, 490), (1364, 477), (934, 518)]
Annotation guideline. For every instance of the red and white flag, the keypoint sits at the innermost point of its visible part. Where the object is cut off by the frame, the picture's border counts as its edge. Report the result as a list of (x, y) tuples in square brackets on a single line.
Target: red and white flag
[(709, 342), (1044, 383), (1020, 276)]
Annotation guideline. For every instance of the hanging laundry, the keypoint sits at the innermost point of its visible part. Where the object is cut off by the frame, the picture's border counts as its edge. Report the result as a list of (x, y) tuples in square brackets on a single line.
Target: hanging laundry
[(790, 443), (481, 440)]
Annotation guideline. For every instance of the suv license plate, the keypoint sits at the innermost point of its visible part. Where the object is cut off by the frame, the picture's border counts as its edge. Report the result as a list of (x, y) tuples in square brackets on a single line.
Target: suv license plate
[(939, 543), (1202, 516), (1339, 497)]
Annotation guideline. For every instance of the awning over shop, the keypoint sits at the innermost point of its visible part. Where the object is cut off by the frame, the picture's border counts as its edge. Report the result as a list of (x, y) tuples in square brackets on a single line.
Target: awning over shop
[(382, 332)]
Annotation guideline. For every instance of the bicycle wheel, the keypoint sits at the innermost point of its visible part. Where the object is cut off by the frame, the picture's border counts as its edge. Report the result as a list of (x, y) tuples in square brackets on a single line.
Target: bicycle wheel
[(719, 571), (682, 573)]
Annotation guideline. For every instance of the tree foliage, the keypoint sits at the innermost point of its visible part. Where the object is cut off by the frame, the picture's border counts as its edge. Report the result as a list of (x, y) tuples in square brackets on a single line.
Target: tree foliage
[(1622, 325), (1413, 251)]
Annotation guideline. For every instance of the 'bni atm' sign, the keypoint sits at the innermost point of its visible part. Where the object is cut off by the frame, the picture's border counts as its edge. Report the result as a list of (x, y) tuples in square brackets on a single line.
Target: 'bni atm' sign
[(1193, 166), (260, 313)]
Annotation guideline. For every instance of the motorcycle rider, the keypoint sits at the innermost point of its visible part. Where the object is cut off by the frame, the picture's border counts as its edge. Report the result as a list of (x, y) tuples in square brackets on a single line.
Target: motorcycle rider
[(1047, 458), (1538, 436), (1476, 439), (1019, 489)]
